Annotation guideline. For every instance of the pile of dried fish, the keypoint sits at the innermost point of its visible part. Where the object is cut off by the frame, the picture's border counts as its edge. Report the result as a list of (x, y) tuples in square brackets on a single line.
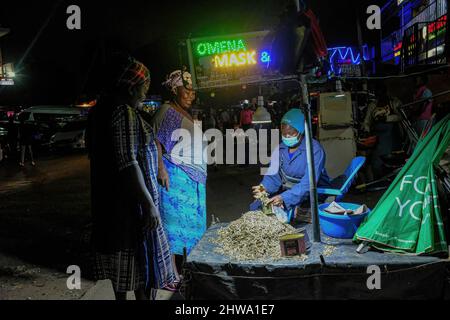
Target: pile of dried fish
[(253, 237)]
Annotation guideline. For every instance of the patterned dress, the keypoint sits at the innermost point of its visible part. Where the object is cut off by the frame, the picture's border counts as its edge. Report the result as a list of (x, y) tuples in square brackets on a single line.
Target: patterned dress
[(183, 207), (129, 258)]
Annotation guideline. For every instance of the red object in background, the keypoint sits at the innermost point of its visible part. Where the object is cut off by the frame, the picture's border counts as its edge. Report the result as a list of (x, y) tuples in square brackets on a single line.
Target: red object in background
[(437, 25), (320, 45), (398, 46), (315, 120), (368, 142), (246, 117)]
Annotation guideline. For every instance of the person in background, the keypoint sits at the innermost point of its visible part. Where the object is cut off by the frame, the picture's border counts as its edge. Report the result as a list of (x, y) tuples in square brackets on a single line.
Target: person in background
[(25, 141), (254, 104), (11, 141), (246, 123), (183, 174), (246, 117), (210, 120), (225, 118), (289, 187), (1, 152), (235, 118), (383, 120), (272, 111), (423, 112), (130, 247)]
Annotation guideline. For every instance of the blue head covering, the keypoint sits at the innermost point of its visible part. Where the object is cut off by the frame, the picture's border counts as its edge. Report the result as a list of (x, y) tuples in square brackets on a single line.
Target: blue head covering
[(295, 119)]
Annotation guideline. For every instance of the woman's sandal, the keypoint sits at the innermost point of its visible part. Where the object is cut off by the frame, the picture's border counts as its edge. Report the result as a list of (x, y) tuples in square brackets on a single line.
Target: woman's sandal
[(174, 287)]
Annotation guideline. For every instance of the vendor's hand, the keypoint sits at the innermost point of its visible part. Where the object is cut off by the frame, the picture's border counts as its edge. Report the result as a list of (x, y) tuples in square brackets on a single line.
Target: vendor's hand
[(163, 177), (256, 189), (277, 201), (150, 216)]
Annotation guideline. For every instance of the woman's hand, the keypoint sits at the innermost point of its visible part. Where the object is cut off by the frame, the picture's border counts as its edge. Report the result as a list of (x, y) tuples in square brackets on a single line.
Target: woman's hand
[(163, 177), (277, 201), (150, 216)]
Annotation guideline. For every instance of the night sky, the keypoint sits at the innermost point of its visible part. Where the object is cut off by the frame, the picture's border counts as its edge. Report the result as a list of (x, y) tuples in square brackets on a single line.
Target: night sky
[(63, 64)]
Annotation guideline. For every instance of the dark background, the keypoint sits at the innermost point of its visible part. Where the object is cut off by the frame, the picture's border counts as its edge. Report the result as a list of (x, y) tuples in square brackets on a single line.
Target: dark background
[(63, 64)]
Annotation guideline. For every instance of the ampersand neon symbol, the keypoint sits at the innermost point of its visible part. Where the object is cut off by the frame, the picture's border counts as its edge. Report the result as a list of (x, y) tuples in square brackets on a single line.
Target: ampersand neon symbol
[(265, 57)]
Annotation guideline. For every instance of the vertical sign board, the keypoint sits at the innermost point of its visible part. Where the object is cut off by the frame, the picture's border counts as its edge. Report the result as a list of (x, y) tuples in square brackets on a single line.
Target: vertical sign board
[(229, 60)]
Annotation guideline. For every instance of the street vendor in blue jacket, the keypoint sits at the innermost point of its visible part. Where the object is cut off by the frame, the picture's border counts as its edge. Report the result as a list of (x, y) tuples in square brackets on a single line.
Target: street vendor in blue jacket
[(289, 186)]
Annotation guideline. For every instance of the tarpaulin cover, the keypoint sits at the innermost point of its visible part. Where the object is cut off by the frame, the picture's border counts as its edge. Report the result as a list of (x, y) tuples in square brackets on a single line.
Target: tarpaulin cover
[(341, 275), (408, 218)]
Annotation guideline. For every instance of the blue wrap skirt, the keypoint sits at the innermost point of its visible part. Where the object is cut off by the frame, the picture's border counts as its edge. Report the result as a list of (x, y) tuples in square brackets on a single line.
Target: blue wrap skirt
[(183, 209)]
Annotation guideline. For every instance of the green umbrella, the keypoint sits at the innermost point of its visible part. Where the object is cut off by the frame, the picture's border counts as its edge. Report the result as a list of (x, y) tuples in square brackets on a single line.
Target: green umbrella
[(408, 218)]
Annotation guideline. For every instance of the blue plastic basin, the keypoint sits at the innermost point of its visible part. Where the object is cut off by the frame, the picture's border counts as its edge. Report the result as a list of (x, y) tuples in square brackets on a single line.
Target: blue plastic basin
[(341, 226)]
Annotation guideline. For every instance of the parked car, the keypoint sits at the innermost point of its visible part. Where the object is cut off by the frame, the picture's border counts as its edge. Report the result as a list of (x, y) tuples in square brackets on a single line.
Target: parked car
[(50, 119), (53, 113), (3, 135), (70, 136)]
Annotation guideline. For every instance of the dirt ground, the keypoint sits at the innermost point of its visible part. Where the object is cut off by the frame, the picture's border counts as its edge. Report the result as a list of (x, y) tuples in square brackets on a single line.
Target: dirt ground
[(44, 214)]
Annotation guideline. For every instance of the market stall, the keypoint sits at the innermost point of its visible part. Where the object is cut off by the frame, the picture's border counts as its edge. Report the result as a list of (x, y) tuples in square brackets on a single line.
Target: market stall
[(332, 270)]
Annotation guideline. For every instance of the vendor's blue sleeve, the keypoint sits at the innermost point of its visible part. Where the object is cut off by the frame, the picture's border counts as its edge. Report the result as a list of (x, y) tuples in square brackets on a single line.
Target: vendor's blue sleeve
[(273, 183), (298, 192)]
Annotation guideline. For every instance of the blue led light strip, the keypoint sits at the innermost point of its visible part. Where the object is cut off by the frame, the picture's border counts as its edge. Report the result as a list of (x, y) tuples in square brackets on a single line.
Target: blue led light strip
[(344, 53)]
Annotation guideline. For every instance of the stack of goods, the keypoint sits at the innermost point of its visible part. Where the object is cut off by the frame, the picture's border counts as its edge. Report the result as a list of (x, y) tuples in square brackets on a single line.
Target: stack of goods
[(336, 208)]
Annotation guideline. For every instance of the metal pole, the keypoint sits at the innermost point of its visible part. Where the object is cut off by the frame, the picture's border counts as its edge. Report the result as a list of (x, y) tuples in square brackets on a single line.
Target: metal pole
[(361, 48), (1, 62), (310, 157), (297, 4), (191, 62)]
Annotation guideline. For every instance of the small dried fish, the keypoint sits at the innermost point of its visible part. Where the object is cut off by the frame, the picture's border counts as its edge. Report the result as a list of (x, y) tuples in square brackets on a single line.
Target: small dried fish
[(253, 237), (328, 251)]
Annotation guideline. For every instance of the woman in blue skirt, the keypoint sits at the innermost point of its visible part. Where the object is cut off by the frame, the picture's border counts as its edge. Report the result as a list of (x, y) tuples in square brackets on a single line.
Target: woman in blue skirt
[(182, 171)]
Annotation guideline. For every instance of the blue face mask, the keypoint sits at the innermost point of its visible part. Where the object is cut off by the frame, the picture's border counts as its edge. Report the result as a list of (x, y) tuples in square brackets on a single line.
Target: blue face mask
[(291, 141)]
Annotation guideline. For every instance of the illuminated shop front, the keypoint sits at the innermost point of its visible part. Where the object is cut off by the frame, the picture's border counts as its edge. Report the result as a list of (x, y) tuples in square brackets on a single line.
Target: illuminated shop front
[(425, 43), (415, 32)]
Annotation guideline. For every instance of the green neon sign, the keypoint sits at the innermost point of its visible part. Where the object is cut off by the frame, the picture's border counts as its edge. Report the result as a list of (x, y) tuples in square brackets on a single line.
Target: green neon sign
[(220, 47)]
